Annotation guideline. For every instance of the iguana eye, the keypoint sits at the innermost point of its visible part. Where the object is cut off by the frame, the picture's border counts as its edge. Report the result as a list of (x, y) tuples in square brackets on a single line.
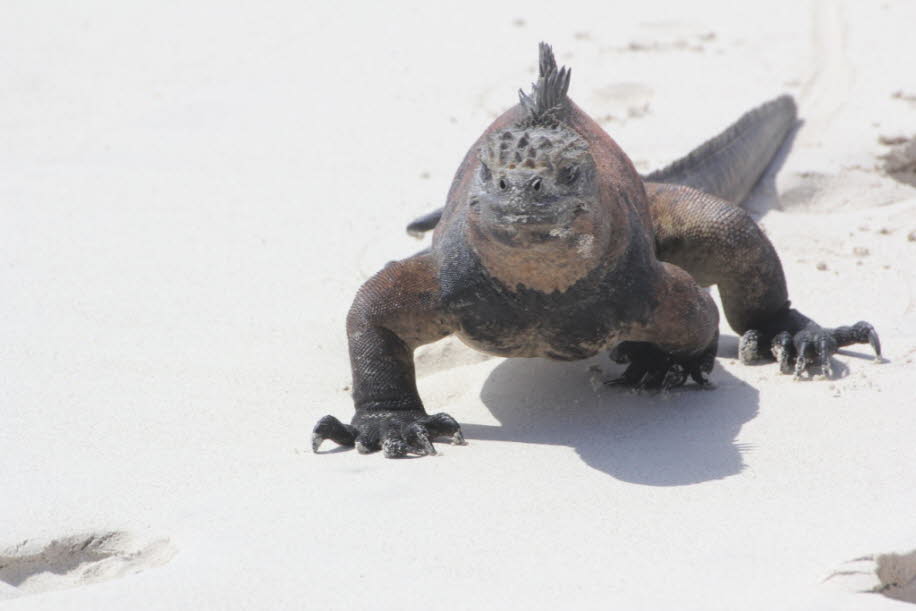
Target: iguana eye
[(536, 184), (502, 184)]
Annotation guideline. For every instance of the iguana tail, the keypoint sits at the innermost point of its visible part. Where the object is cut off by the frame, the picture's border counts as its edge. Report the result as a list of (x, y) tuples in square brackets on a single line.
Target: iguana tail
[(425, 223), (728, 165)]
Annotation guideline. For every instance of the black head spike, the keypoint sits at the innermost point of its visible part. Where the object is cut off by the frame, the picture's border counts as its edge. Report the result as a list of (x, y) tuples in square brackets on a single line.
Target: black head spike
[(546, 61), (548, 94)]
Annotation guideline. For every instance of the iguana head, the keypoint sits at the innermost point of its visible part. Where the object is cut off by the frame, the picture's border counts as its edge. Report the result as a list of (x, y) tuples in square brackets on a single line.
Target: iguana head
[(534, 182), (535, 195)]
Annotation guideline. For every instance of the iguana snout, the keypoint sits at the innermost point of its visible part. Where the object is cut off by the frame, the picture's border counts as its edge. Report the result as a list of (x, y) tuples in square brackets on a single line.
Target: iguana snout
[(523, 215)]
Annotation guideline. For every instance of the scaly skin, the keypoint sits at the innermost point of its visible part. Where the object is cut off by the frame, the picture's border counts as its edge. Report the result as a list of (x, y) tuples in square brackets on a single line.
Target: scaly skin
[(552, 245)]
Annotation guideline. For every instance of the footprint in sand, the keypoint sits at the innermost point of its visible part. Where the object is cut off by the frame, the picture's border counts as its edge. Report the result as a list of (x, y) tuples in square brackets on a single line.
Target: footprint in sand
[(897, 576), (622, 101), (33, 566), (827, 89), (667, 36), (900, 161), (892, 575)]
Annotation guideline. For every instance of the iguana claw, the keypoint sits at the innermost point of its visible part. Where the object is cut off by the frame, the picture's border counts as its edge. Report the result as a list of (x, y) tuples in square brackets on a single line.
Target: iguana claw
[(809, 350), (396, 432)]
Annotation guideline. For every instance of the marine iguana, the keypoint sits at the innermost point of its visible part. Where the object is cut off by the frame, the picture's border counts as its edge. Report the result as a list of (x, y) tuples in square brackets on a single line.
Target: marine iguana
[(552, 245)]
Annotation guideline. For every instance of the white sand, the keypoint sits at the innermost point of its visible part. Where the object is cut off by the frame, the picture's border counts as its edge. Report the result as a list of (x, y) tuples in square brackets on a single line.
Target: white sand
[(189, 198)]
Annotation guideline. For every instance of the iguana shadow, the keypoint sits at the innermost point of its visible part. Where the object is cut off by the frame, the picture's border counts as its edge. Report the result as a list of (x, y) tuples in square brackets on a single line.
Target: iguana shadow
[(683, 437)]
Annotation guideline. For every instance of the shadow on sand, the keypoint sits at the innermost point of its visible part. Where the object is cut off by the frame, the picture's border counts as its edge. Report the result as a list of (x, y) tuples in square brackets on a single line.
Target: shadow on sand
[(679, 438)]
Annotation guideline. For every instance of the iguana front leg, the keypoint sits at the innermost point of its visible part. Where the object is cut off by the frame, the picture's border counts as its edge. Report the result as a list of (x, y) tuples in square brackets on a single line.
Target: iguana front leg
[(679, 339), (718, 243), (394, 312)]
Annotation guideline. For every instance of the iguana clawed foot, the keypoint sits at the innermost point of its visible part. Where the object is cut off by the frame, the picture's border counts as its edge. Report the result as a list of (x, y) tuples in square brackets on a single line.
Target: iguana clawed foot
[(651, 368), (397, 433), (810, 349)]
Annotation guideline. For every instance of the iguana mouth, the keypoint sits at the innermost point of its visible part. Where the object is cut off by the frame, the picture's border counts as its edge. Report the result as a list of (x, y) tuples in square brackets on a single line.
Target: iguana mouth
[(530, 226), (540, 220), (530, 231)]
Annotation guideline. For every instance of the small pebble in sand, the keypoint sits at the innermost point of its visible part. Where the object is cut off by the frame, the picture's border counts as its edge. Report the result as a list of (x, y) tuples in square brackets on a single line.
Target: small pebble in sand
[(860, 251), (884, 231), (635, 112), (891, 140), (596, 378), (821, 266), (901, 95), (424, 175), (911, 236), (519, 22)]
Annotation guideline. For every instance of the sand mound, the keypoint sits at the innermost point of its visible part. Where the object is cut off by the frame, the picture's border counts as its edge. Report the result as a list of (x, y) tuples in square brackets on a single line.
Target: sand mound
[(31, 567), (900, 162)]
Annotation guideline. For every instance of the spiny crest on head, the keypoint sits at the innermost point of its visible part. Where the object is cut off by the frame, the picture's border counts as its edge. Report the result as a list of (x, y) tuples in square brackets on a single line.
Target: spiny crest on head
[(548, 95), (532, 147)]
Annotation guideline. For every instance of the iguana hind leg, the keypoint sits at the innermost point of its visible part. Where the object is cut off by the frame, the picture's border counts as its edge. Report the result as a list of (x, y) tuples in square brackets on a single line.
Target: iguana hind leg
[(718, 243)]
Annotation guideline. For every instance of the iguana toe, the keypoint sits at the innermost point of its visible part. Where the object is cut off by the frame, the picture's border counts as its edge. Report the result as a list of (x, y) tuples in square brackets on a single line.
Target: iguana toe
[(863, 332), (783, 351), (749, 347), (443, 425), (331, 428)]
